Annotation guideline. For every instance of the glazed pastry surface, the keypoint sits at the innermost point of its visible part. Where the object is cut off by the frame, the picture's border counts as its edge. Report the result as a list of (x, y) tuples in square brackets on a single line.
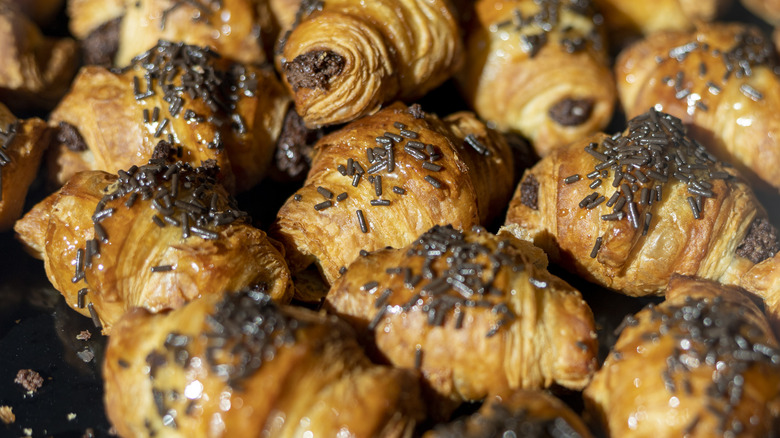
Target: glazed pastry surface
[(475, 313), (240, 365), (703, 363), (539, 69), (385, 179), (154, 236)]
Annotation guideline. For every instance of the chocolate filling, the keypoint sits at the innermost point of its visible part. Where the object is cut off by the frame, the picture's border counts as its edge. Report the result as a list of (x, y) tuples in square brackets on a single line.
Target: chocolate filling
[(313, 69), (294, 146), (571, 112), (70, 136), (163, 151), (760, 243), (529, 192), (101, 44)]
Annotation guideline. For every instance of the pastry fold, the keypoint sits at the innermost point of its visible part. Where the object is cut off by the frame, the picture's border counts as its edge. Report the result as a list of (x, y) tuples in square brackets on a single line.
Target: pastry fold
[(242, 30), (211, 107), (721, 80), (385, 179), (518, 413), (703, 363), (475, 313), (35, 70), (539, 68), (22, 143), (347, 58), (153, 236), (629, 211), (239, 365)]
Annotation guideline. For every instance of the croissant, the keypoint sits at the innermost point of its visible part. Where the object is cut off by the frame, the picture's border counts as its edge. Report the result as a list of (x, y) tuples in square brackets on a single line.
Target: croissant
[(385, 179), (212, 108), (116, 31), (22, 143), (35, 70), (721, 80), (703, 363), (630, 210), (239, 365), (153, 236), (520, 413), (628, 19), (539, 68), (347, 58), (475, 313)]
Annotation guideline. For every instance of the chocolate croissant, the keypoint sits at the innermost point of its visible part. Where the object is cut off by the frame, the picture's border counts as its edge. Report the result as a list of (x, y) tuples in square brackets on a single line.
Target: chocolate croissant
[(539, 68), (521, 413), (35, 70), (22, 143), (385, 179), (722, 81), (630, 210), (475, 313), (210, 107), (629, 19), (153, 236), (239, 365), (114, 32), (347, 58), (703, 363)]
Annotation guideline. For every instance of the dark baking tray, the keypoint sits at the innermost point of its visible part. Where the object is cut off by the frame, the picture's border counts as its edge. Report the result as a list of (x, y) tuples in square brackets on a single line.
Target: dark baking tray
[(38, 330)]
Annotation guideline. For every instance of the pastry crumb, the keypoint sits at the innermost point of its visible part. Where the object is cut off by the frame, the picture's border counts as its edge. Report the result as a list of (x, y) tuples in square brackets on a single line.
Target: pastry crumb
[(27, 431), (84, 335), (29, 379), (71, 416), (86, 355), (7, 414)]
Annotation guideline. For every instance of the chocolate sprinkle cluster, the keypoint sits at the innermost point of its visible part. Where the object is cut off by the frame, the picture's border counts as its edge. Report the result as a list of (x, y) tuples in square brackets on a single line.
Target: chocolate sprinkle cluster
[(180, 71), (180, 195), (6, 138), (547, 20), (502, 422), (655, 150), (713, 334), (750, 50), (459, 275)]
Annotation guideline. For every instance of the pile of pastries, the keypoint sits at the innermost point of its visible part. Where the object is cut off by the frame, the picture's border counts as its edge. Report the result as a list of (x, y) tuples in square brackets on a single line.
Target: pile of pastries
[(403, 287)]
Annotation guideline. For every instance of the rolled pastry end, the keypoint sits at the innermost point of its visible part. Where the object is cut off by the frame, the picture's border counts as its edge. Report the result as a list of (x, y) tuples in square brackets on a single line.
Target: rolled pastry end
[(313, 69)]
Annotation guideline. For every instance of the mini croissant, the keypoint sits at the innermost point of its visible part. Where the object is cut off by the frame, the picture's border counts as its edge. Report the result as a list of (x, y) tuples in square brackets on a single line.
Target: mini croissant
[(239, 365), (539, 68), (347, 58), (153, 236), (475, 313), (385, 179)]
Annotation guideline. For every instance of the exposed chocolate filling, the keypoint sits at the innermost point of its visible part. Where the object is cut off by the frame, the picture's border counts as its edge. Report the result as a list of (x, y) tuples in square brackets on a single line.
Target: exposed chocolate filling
[(571, 112), (101, 44), (529, 192), (760, 243), (294, 146), (70, 136), (313, 69)]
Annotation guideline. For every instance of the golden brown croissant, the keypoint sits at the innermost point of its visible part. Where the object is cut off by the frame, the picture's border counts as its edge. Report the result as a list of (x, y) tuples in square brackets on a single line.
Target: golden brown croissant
[(385, 179), (212, 108), (703, 363), (539, 68), (627, 19), (35, 70), (241, 30), (721, 80), (153, 236), (22, 143), (630, 210), (239, 365), (520, 413), (475, 313), (347, 58)]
